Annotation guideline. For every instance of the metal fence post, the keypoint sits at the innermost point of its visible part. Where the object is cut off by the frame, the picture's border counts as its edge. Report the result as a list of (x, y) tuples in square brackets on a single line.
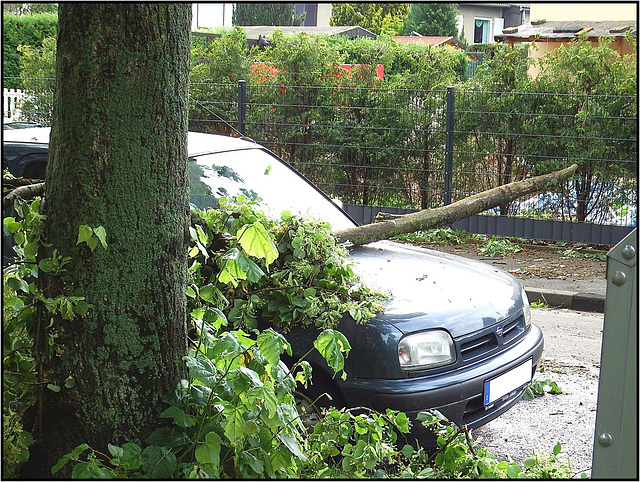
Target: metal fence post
[(615, 446), (242, 106), (448, 157)]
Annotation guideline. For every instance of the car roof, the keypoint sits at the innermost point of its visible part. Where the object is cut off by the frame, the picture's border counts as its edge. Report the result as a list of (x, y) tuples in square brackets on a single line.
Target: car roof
[(198, 143)]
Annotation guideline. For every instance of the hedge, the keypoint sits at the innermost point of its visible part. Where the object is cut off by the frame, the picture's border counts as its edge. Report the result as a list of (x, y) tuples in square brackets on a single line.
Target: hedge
[(23, 30)]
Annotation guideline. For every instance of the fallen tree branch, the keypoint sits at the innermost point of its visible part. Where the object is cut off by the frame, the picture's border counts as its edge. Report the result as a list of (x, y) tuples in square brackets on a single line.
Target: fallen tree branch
[(442, 216), (23, 192), (18, 181)]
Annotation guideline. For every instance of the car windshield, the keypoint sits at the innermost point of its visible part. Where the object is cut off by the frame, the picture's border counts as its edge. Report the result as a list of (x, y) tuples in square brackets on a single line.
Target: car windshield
[(263, 178)]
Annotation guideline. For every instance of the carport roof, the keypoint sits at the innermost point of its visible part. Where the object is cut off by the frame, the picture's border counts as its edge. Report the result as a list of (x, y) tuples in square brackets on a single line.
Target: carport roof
[(563, 30), (348, 31)]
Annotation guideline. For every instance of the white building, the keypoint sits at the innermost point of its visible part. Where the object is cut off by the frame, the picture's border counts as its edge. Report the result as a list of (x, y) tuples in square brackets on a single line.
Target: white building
[(211, 15), (214, 15)]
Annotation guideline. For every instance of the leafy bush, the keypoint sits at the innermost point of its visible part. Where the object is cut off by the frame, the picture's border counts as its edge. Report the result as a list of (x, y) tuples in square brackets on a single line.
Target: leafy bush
[(498, 247), (19, 30)]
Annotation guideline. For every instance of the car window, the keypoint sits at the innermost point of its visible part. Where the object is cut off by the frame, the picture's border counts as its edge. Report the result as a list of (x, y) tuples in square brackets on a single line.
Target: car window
[(262, 178)]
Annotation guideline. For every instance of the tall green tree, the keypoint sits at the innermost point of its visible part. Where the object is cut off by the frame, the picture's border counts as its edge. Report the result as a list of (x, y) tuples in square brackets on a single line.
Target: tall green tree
[(432, 19), (117, 171), (281, 14), (376, 17), (494, 126), (595, 100)]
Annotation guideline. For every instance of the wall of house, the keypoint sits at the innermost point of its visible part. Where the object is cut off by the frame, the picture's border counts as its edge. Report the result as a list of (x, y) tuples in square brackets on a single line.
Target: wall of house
[(324, 14), (211, 15), (584, 11), (544, 46), (472, 12)]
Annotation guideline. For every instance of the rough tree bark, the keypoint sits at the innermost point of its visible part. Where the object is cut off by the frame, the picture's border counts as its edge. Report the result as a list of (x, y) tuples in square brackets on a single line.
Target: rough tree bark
[(431, 218), (117, 159)]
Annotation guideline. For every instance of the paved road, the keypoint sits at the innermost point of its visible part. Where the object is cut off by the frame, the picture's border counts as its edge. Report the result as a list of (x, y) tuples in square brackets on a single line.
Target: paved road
[(571, 358)]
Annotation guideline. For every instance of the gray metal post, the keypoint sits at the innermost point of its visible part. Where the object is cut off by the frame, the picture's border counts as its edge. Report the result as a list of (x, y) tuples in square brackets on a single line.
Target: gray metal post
[(615, 446), (242, 106), (448, 157)]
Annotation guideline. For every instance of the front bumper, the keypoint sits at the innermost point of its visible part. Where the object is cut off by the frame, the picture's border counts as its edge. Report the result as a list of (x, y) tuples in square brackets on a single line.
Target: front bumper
[(457, 395)]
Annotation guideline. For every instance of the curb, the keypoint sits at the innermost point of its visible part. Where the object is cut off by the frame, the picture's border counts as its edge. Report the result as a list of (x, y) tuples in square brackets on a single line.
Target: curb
[(567, 299)]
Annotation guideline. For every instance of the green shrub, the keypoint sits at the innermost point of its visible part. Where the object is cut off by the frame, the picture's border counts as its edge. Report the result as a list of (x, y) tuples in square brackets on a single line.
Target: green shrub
[(28, 30)]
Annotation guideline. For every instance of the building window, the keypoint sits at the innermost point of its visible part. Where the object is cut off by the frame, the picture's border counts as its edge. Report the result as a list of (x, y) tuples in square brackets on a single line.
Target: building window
[(481, 31), (311, 10)]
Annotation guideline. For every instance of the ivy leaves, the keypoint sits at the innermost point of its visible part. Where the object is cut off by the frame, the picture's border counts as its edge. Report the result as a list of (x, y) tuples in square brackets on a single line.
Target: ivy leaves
[(91, 236)]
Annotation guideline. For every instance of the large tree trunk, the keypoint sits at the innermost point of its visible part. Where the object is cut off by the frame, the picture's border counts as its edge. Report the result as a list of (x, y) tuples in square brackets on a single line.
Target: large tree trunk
[(117, 159), (432, 218)]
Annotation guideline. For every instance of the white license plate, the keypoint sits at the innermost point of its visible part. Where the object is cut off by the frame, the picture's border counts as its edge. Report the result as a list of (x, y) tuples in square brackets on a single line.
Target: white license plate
[(504, 384)]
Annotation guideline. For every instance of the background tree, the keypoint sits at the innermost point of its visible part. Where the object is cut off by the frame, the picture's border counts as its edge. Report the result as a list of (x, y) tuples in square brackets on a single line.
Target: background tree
[(376, 17), (432, 19), (118, 160), (281, 14), (493, 127), (37, 73), (216, 66), (29, 8)]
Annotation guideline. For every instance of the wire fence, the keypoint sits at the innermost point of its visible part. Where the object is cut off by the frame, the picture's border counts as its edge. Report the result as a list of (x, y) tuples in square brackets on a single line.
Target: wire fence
[(416, 149)]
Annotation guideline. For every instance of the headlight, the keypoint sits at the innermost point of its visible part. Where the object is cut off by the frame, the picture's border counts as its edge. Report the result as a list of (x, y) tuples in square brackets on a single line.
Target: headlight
[(426, 350), (526, 308)]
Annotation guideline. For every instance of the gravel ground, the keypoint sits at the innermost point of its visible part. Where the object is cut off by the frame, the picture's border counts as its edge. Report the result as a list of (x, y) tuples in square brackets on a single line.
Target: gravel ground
[(571, 358)]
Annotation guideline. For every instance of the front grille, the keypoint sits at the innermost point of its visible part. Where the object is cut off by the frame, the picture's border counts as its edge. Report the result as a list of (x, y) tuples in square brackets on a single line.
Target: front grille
[(512, 330), (475, 348), (490, 340)]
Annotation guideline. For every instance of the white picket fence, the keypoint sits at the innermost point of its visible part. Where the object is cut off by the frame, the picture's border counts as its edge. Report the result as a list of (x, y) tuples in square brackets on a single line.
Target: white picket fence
[(11, 99)]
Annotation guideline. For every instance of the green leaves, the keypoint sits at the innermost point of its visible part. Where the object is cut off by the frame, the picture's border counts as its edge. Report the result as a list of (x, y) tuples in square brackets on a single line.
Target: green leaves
[(272, 345), (286, 273), (158, 462), (128, 457), (73, 455), (539, 387), (91, 236), (180, 418), (207, 453), (332, 344), (255, 240)]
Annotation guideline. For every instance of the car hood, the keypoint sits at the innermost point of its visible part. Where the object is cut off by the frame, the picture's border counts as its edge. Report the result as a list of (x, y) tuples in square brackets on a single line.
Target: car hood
[(430, 289)]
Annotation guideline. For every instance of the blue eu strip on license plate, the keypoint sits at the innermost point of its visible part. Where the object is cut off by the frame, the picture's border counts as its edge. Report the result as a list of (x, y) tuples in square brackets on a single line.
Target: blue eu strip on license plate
[(498, 387)]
